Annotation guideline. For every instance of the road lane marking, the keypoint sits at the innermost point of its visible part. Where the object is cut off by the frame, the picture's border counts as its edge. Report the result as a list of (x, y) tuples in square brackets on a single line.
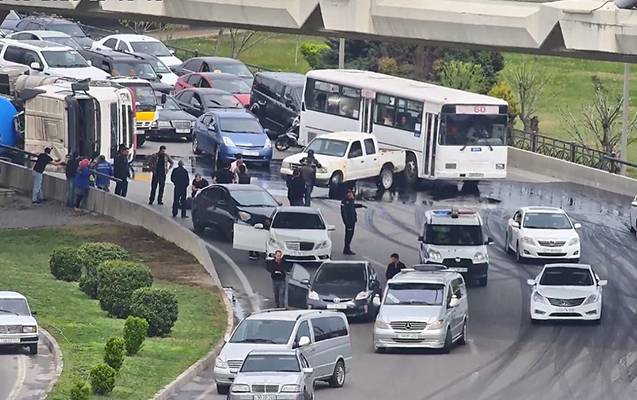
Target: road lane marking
[(206, 394), (19, 380)]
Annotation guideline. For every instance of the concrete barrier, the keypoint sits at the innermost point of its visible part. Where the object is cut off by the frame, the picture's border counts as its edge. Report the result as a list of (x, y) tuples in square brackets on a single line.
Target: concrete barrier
[(571, 172)]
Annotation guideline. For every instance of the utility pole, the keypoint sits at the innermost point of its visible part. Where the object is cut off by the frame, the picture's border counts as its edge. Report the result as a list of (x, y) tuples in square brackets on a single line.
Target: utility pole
[(624, 141), (341, 53)]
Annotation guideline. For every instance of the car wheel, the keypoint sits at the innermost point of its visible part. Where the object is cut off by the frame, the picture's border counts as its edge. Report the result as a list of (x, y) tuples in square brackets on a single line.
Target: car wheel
[(217, 160), (33, 349), (195, 145), (223, 389), (197, 225), (448, 342), (411, 170), (463, 339), (338, 376), (386, 178), (336, 181)]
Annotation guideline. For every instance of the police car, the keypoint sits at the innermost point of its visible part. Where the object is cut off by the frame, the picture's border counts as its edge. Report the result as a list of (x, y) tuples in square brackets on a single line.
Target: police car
[(455, 238)]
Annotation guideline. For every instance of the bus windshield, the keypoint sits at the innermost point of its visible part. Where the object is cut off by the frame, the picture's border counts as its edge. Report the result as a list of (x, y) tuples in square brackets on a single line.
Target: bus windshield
[(473, 130)]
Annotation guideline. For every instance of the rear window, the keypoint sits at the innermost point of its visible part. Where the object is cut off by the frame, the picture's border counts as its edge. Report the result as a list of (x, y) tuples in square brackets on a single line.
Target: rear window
[(295, 220)]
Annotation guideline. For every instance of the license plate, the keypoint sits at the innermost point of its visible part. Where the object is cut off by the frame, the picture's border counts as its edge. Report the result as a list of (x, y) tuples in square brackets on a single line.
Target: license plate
[(565, 309), (459, 269), (265, 397), (408, 336), (9, 340), (182, 130), (250, 153), (337, 306), (553, 250)]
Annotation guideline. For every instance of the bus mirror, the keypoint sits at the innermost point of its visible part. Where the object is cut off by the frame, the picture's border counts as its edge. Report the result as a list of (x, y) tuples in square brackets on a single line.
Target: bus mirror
[(163, 98)]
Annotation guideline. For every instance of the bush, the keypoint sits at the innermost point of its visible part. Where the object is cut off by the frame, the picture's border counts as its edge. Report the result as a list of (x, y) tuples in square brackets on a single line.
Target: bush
[(80, 391), (116, 282), (312, 52), (66, 264), (158, 307), (114, 352), (93, 254), (135, 331), (102, 378)]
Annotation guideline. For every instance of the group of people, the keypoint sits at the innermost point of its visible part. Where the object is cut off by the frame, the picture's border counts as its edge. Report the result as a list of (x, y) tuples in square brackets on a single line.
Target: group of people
[(301, 185)]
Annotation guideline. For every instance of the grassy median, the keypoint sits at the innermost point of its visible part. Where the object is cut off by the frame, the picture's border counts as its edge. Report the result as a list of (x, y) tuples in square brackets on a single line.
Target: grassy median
[(82, 328)]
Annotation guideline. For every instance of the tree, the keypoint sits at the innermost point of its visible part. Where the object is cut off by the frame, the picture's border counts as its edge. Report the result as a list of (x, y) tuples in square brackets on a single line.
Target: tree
[(464, 76), (528, 85), (143, 27), (242, 40), (502, 90)]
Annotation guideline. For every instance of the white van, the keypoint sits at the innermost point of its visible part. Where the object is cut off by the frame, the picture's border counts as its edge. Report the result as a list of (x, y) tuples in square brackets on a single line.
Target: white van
[(322, 337)]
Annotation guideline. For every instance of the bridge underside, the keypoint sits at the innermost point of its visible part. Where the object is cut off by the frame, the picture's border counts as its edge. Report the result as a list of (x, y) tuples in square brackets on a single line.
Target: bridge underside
[(575, 28)]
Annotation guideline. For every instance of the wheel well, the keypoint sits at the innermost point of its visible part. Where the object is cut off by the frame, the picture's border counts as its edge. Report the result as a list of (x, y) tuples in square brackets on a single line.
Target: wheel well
[(409, 155), (337, 172), (387, 164)]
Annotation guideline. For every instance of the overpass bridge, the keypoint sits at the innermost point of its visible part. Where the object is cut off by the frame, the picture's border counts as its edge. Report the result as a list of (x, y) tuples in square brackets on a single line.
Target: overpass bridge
[(577, 28)]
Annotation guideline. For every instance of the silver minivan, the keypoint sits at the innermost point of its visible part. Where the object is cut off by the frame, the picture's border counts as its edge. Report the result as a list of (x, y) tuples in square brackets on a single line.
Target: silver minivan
[(321, 336)]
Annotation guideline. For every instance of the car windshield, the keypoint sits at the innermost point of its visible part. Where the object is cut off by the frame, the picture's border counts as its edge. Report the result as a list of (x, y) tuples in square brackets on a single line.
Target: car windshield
[(253, 198), (271, 363), (454, 235), (231, 85), (157, 49), (141, 70), (233, 68), (473, 130), (240, 125), (221, 101), (328, 147), (171, 104), (546, 221), (64, 59), (268, 331), (296, 220), (333, 278), (418, 294), (14, 306), (159, 66), (69, 29), (565, 276), (64, 41), (144, 96)]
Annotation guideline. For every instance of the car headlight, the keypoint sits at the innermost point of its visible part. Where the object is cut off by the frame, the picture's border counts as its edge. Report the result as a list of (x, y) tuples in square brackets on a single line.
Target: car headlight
[(323, 245), (221, 363), (362, 295), (593, 298), (321, 170), (312, 295), (573, 241), (268, 143), (538, 298), (244, 216), (29, 329), (154, 124), (434, 255), (479, 257), (439, 324), (291, 389), (164, 124), (380, 324), (228, 142), (240, 388), (285, 165), (528, 240)]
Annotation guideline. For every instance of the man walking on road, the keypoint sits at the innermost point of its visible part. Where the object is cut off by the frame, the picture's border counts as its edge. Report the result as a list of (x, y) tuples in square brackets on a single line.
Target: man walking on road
[(181, 180), (121, 171), (72, 163), (43, 160), (348, 214), (105, 169), (159, 164), (278, 269), (308, 173), (394, 267), (296, 189)]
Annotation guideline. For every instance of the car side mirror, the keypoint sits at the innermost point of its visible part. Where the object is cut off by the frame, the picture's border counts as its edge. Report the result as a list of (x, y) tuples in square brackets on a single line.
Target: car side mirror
[(421, 238), (305, 282), (211, 127), (376, 301), (172, 52), (530, 282), (577, 225), (36, 66), (308, 371), (258, 226), (454, 302), (89, 62), (304, 341), (331, 228), (489, 241), (515, 224), (602, 282), (634, 204), (34, 313)]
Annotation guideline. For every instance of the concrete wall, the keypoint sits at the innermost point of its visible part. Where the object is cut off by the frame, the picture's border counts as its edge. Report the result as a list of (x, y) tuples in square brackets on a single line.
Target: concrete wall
[(571, 172)]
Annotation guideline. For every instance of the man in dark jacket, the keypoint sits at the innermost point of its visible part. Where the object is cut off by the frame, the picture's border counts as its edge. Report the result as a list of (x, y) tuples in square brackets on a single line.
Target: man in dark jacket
[(278, 269), (121, 171), (348, 214), (296, 189), (224, 176), (159, 164), (394, 267), (309, 165), (70, 170), (181, 180)]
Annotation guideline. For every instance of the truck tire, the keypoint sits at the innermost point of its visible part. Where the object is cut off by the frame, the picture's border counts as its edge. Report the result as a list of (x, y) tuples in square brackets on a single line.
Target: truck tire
[(411, 170), (336, 182), (386, 177)]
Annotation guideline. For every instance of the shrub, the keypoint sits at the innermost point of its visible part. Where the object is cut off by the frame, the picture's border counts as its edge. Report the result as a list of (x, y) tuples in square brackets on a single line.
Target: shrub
[(503, 90), (135, 331), (158, 307), (312, 52), (102, 378), (80, 391), (387, 65), (116, 282), (93, 254), (66, 264), (114, 352)]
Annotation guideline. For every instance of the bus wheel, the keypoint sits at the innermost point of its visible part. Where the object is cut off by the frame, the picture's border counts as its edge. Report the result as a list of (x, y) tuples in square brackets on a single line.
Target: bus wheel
[(386, 177), (411, 170), (336, 181)]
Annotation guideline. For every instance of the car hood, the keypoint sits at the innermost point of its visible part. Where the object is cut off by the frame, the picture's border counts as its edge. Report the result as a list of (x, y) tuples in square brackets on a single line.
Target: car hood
[(10, 319), (244, 98), (246, 139), (304, 235), (162, 87), (428, 314), (239, 351), (174, 115), (170, 61), (566, 292), (269, 378), (169, 78), (80, 73), (551, 234)]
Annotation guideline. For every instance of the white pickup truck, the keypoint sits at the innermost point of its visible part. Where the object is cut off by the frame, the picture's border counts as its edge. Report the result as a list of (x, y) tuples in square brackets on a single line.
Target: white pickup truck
[(347, 157)]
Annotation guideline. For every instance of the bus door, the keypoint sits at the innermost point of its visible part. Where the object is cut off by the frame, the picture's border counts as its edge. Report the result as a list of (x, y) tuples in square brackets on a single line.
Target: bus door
[(431, 121), (367, 110)]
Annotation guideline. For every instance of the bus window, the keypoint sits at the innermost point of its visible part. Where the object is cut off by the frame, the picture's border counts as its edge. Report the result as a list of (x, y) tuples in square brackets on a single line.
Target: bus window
[(476, 130), (333, 99), (398, 113), (385, 110)]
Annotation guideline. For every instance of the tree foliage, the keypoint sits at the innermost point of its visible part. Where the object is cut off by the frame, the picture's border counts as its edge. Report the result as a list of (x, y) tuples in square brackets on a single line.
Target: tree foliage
[(502, 90), (464, 76), (528, 85), (143, 27), (242, 40)]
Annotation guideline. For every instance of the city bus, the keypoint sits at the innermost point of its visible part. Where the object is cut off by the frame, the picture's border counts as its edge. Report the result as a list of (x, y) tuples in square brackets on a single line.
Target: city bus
[(447, 133)]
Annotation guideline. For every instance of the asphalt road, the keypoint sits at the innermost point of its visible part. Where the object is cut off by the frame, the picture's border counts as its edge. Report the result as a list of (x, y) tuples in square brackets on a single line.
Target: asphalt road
[(22, 376)]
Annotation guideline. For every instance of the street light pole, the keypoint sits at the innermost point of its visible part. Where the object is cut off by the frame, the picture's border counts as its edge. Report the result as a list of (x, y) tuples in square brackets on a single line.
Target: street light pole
[(341, 53), (624, 141)]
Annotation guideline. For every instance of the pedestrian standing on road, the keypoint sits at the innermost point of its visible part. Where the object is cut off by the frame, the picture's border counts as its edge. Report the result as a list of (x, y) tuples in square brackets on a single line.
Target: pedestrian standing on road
[(309, 165), (296, 189), (121, 171), (180, 179), (242, 175), (224, 176), (279, 268), (81, 182), (394, 267), (72, 163), (159, 164), (43, 160), (238, 161), (198, 183), (102, 181), (348, 214)]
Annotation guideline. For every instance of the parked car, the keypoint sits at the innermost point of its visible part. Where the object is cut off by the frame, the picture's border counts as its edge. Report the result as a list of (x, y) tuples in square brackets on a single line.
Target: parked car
[(172, 122), (346, 286), (281, 373), (321, 336), (44, 23), (48, 58), (165, 74), (138, 44), (221, 206), (50, 36), (17, 325), (301, 232), (566, 292), (215, 64), (224, 133), (276, 98), (217, 80), (423, 307), (633, 215), (200, 101)]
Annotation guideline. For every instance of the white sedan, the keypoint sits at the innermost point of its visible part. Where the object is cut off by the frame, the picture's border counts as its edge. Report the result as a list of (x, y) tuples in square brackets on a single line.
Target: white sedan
[(542, 232), (565, 292)]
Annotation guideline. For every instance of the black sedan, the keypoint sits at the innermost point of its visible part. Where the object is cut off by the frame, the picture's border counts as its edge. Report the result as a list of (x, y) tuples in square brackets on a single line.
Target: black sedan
[(221, 206), (172, 122), (346, 286), (198, 101)]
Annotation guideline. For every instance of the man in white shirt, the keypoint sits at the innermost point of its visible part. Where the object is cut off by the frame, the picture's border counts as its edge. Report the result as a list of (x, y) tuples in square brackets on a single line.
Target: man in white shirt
[(234, 167)]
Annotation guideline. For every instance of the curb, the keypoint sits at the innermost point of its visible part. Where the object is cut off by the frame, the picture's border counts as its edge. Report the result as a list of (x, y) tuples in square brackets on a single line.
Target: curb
[(50, 342)]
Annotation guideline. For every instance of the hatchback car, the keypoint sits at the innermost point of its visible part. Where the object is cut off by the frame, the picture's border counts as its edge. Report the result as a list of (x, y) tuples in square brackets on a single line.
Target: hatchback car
[(172, 122), (17, 325), (138, 44), (215, 64), (199, 101), (542, 232), (49, 36), (217, 80), (274, 374), (566, 292)]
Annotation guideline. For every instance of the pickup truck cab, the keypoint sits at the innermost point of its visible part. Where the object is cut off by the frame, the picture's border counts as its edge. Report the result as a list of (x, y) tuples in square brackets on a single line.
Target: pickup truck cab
[(633, 216), (347, 157)]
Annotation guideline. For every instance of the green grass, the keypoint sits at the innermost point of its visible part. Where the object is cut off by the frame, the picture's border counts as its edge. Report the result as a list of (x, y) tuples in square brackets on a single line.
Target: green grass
[(82, 328)]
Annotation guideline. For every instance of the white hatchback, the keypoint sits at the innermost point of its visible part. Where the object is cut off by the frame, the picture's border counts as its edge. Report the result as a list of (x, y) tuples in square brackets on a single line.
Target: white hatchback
[(565, 292)]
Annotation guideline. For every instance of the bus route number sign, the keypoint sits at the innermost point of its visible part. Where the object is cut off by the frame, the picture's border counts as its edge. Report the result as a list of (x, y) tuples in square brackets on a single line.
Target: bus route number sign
[(368, 94), (477, 110)]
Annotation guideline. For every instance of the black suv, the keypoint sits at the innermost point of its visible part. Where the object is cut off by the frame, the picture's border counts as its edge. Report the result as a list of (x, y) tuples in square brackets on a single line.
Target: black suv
[(276, 98), (42, 23)]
